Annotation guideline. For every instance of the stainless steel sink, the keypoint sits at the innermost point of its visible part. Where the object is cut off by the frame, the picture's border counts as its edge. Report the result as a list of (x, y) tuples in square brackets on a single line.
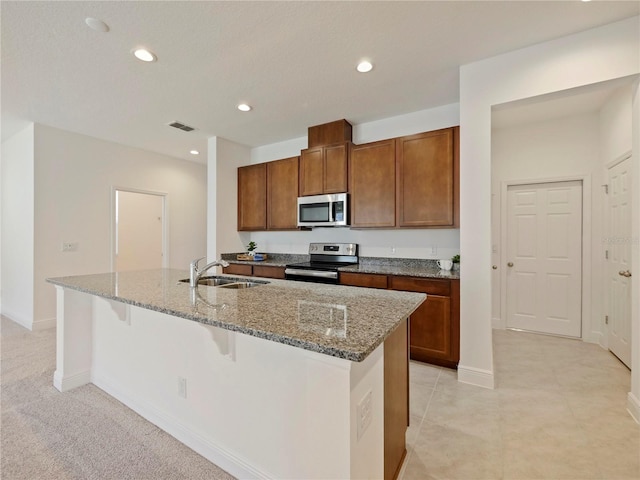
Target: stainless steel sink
[(239, 285), (227, 282)]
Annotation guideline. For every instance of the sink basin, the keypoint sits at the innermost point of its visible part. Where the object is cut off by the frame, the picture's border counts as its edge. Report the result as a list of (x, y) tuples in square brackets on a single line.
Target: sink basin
[(239, 285), (226, 282)]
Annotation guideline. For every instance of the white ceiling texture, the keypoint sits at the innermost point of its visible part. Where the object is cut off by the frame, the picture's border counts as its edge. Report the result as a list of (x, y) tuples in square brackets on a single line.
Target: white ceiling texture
[(294, 62)]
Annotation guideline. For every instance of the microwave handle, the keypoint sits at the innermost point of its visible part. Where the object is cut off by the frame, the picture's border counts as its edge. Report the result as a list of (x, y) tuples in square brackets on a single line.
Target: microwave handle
[(332, 212)]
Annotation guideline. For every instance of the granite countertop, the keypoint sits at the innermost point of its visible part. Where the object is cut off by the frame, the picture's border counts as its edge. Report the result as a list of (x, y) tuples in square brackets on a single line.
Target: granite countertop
[(340, 321), (401, 267), (409, 267)]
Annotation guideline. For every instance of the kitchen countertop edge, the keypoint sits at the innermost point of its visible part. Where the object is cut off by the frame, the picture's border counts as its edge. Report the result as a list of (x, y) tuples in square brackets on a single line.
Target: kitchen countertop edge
[(352, 354)]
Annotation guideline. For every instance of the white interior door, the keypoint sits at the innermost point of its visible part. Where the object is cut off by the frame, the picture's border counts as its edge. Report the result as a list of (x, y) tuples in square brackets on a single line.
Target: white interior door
[(139, 235), (619, 261), (544, 258)]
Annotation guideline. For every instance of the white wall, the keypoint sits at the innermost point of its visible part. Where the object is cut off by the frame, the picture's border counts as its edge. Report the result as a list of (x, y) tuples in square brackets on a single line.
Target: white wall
[(222, 201), (71, 195), (558, 149), (17, 226), (589, 57), (615, 125), (418, 243)]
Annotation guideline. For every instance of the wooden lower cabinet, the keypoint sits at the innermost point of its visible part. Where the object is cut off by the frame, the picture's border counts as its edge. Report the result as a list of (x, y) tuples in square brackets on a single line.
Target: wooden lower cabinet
[(267, 271), (434, 328), (369, 280)]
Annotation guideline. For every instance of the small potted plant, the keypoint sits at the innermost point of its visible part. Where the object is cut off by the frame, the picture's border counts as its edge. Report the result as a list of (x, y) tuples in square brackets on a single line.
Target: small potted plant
[(251, 248), (456, 262)]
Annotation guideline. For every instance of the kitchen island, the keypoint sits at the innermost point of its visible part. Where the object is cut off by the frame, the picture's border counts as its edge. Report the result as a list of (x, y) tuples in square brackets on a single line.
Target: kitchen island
[(282, 380)]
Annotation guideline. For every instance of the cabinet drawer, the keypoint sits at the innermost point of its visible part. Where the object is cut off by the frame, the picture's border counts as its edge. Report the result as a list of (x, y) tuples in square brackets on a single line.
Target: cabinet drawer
[(425, 285), (238, 269), (370, 280), (268, 271)]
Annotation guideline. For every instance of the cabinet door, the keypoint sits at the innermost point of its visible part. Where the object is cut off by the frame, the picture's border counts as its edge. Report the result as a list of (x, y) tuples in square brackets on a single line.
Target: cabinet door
[(268, 271), (372, 171), (238, 269), (425, 167), (430, 329), (282, 194), (335, 168), (311, 171), (252, 197), (369, 280)]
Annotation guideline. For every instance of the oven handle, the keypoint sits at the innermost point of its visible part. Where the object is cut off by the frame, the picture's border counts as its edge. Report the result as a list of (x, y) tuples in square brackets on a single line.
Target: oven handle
[(310, 273)]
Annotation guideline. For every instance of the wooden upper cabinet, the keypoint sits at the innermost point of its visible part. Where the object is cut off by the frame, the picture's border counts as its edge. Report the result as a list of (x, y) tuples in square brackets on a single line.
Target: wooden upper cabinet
[(324, 169), (372, 184), (311, 171), (282, 194), (426, 179), (252, 197), (336, 162)]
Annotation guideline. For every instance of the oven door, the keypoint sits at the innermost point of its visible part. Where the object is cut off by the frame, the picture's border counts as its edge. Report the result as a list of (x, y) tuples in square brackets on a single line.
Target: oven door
[(315, 276)]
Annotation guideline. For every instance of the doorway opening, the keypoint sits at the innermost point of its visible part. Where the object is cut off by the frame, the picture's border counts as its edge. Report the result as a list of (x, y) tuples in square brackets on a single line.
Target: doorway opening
[(138, 230)]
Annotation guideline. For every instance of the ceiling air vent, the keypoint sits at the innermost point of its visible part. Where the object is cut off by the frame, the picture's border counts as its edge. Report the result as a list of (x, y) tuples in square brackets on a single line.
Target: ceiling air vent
[(181, 126)]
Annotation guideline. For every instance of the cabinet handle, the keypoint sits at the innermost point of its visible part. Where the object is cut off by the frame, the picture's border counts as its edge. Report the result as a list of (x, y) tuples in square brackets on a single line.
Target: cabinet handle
[(510, 264), (495, 267)]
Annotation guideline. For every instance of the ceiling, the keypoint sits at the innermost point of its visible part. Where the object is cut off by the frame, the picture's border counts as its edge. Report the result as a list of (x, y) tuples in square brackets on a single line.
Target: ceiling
[(294, 62)]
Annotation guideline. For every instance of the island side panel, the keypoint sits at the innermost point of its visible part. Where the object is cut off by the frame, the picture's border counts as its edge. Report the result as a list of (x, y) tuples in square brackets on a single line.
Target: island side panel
[(256, 408), (396, 399), (73, 339)]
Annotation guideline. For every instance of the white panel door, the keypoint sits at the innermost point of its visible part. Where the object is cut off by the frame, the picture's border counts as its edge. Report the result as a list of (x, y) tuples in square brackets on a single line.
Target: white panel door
[(618, 246), (139, 231), (544, 258)]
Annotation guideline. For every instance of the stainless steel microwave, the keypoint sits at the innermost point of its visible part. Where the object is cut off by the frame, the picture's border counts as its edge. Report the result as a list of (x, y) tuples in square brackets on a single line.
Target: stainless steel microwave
[(323, 210)]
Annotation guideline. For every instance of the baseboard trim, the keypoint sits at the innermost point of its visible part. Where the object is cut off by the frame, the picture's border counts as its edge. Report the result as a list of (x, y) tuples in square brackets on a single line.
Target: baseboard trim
[(633, 406), (197, 442), (69, 382), (44, 324), (476, 376), (19, 319)]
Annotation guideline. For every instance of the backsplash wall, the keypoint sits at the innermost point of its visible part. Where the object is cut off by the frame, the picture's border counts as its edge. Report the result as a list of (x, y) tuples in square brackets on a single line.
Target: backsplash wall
[(422, 243)]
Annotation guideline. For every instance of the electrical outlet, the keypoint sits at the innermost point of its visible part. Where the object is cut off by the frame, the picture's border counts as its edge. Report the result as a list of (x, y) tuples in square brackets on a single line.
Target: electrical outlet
[(69, 246), (182, 387), (393, 250), (364, 414), (434, 250)]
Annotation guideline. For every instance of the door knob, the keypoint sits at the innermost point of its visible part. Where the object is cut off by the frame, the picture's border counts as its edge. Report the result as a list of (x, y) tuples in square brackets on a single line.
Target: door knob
[(510, 264)]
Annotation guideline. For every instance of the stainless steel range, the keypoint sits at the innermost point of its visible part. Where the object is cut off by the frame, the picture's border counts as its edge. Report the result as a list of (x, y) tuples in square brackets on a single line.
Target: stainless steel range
[(326, 259)]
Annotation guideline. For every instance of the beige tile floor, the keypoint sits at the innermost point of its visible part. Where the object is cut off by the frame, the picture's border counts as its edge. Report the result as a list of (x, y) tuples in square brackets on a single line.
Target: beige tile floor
[(558, 412)]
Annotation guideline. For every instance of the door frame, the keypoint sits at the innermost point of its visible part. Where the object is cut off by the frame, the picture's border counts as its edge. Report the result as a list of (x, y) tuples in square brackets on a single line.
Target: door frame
[(587, 320), (604, 342), (165, 223)]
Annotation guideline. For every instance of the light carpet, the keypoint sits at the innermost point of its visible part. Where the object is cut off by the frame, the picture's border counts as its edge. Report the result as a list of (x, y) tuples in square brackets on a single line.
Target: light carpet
[(80, 434)]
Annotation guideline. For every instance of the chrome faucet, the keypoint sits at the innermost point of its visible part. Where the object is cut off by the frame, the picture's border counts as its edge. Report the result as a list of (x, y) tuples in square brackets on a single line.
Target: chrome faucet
[(195, 273)]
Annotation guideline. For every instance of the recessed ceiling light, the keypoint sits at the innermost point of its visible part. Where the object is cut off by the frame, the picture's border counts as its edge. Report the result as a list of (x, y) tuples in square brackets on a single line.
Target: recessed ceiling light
[(97, 25), (364, 67), (194, 152), (243, 107), (144, 55)]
